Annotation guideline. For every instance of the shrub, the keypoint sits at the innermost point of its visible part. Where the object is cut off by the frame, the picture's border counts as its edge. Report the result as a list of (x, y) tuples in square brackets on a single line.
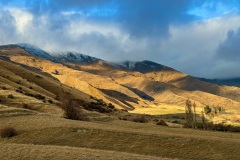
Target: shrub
[(8, 132), (216, 127), (141, 119), (26, 106), (110, 105), (37, 76), (10, 96), (200, 126), (99, 106), (19, 91), (174, 121), (162, 123), (39, 96), (4, 88), (225, 128), (75, 113), (50, 101), (72, 111), (207, 110)]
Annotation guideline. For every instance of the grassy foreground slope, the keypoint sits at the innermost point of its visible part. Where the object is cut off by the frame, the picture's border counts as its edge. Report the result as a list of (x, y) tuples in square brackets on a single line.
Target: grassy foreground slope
[(45, 134), (48, 152)]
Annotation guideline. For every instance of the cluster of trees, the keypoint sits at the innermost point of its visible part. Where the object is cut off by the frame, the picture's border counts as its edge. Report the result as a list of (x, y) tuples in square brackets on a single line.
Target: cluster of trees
[(191, 118), (213, 110)]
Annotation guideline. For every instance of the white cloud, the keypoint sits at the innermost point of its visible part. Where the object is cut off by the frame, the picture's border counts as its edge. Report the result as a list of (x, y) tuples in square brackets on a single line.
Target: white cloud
[(7, 27), (192, 48), (23, 19), (79, 27)]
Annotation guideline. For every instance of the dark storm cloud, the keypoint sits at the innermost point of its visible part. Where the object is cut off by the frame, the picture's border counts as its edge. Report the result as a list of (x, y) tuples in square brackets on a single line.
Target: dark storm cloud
[(152, 17), (138, 17), (230, 48), (7, 27)]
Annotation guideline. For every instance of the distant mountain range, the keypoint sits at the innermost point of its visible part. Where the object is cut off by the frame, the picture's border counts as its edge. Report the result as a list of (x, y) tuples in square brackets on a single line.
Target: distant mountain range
[(142, 66), (127, 85), (74, 57), (228, 81)]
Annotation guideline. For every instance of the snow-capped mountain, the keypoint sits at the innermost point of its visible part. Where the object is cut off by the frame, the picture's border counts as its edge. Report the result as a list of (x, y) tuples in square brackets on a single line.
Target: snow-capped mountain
[(143, 66), (36, 51), (74, 57), (57, 56)]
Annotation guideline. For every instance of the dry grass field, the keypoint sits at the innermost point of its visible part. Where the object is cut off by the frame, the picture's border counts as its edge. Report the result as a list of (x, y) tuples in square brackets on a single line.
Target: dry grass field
[(50, 152), (48, 136)]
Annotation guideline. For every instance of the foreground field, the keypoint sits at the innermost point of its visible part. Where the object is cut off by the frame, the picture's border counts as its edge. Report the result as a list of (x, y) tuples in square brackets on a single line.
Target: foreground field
[(46, 136), (47, 152)]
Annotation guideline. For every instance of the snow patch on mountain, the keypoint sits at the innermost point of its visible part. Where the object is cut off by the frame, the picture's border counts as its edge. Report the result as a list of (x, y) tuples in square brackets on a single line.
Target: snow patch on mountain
[(128, 64), (141, 66), (36, 51), (74, 57)]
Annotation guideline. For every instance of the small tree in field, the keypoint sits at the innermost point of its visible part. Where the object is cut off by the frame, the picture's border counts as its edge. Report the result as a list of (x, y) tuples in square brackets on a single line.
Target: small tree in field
[(72, 108), (195, 115), (189, 113), (73, 111), (204, 121)]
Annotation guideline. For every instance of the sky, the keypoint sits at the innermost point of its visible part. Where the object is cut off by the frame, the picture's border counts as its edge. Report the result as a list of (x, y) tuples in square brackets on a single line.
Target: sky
[(197, 37)]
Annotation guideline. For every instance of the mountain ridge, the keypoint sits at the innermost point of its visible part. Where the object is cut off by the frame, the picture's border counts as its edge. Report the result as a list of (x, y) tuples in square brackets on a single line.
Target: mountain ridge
[(145, 77), (76, 57), (127, 88), (140, 66)]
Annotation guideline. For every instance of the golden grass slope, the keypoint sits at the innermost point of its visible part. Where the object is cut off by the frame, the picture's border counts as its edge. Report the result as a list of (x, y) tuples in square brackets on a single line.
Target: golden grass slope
[(50, 152), (43, 133), (91, 84), (189, 83), (129, 89), (22, 82)]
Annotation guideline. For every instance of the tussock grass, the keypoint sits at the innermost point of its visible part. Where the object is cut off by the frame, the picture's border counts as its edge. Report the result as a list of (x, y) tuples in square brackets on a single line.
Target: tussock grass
[(50, 152), (125, 136), (8, 132)]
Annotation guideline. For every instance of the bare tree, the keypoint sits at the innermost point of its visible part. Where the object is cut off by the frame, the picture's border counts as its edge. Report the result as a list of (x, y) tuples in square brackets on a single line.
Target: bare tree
[(189, 113), (203, 121), (195, 115)]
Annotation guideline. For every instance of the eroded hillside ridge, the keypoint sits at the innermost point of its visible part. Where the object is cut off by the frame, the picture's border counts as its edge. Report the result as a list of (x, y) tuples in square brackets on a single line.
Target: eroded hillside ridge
[(127, 85)]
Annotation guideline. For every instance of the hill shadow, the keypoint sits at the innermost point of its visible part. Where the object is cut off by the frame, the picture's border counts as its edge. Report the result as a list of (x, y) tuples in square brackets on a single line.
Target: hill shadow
[(141, 94), (120, 96)]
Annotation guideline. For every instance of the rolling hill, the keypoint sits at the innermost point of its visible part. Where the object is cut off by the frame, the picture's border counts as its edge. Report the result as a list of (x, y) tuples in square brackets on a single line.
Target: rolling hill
[(35, 84), (127, 85)]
